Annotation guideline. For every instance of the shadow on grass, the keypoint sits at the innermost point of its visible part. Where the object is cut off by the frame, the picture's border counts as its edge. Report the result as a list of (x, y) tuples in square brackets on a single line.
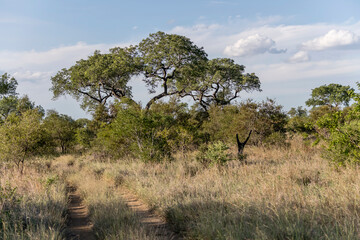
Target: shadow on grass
[(114, 220), (218, 220), (31, 220)]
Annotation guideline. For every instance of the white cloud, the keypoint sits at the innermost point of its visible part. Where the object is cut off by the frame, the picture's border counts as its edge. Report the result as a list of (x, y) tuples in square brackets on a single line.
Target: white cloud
[(252, 45), (52, 59), (332, 39), (300, 56), (303, 71), (30, 75), (198, 28)]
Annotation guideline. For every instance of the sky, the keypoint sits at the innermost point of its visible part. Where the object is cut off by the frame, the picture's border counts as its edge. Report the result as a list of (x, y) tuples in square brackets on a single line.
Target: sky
[(293, 46)]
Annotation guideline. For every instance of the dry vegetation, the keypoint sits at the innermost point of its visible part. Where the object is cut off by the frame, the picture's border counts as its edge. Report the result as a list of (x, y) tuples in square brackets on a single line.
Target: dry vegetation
[(279, 194), (111, 217), (32, 205), (282, 193)]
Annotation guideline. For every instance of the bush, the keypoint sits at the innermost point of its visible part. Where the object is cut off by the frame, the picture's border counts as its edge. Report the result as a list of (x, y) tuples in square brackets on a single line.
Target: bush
[(214, 154), (263, 118)]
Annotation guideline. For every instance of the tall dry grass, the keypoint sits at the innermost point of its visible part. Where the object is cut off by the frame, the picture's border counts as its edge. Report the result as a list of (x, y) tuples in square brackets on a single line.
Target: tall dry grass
[(32, 205), (110, 216), (281, 193)]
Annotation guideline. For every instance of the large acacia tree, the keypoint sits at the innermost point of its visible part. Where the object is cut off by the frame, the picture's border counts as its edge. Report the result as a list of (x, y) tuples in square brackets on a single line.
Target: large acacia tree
[(171, 65), (100, 77), (172, 62)]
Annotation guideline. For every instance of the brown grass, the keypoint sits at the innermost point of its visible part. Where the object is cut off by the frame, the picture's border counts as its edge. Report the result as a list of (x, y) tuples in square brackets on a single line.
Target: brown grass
[(37, 208), (279, 194)]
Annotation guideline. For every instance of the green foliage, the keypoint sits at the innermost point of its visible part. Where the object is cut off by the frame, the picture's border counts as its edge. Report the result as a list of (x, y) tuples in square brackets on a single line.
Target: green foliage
[(150, 135), (171, 61), (263, 118), (14, 104), (84, 134), (342, 135), (61, 129), (100, 77), (8, 85), (298, 112), (134, 133), (222, 83), (20, 137), (300, 123), (341, 131), (214, 154), (332, 95)]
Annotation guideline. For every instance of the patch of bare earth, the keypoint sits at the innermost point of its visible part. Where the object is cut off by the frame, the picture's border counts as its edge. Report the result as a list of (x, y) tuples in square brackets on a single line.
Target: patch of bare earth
[(79, 226), (151, 221)]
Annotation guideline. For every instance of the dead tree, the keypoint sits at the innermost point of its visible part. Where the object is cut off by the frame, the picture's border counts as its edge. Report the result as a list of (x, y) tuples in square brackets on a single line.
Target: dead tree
[(241, 145)]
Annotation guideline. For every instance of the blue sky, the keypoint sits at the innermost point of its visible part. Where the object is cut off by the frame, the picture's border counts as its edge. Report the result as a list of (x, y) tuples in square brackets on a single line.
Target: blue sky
[(293, 46)]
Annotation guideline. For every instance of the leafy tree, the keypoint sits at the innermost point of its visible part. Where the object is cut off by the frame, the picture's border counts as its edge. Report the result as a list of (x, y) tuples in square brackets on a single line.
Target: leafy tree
[(149, 135), (222, 83), (20, 137), (341, 131), (297, 112), (332, 95), (61, 128), (84, 134), (14, 104), (95, 80), (8, 85), (171, 61), (266, 119)]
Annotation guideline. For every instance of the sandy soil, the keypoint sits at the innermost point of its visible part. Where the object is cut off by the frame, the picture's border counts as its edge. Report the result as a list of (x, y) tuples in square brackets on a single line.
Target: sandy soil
[(79, 226), (150, 220)]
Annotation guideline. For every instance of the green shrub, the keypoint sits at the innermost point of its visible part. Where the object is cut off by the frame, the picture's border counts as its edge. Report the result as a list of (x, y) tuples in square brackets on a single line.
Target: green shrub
[(275, 139), (214, 154)]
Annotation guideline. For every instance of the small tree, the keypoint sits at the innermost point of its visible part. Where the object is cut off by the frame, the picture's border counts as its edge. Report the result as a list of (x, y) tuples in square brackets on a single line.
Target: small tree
[(61, 128), (341, 131), (8, 85), (20, 136), (14, 104)]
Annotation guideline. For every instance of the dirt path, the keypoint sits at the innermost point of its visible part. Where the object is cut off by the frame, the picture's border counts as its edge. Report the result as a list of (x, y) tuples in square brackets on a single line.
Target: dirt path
[(79, 226), (150, 220)]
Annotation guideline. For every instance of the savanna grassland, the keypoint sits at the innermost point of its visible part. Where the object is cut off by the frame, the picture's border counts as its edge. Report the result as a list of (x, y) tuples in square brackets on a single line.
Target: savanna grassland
[(279, 193), (216, 169)]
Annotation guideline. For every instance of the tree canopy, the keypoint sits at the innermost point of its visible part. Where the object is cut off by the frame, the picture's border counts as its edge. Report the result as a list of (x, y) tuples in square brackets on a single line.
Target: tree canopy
[(171, 61), (8, 85), (94, 80), (222, 83), (332, 95), (171, 65)]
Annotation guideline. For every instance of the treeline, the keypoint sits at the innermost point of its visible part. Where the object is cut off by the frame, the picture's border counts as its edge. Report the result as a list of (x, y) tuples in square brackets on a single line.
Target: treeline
[(173, 67)]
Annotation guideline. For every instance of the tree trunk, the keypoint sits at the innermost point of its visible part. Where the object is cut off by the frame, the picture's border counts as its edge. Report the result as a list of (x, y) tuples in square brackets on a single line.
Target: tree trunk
[(241, 145)]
